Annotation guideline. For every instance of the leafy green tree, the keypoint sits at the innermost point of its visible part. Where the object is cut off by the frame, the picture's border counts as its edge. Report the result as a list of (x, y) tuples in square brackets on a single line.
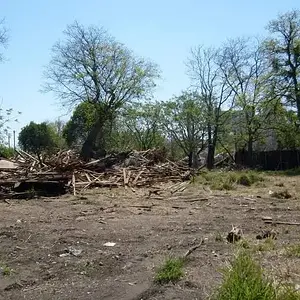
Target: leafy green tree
[(286, 129), (184, 121), (58, 128), (78, 127), (283, 49), (38, 138), (143, 121), (246, 69), (90, 66)]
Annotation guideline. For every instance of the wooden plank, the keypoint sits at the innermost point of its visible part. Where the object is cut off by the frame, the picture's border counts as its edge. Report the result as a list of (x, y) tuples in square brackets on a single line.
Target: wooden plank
[(137, 177)]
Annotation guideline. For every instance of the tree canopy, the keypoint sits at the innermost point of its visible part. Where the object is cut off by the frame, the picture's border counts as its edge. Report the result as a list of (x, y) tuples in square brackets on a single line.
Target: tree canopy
[(283, 48), (38, 138), (91, 66)]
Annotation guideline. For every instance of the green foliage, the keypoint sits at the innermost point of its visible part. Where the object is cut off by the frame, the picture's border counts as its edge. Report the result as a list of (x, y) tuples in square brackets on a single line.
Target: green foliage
[(143, 121), (171, 271), (184, 121), (78, 127), (6, 152), (283, 48), (6, 271), (220, 180), (245, 279), (249, 178), (58, 127), (38, 138), (287, 129), (267, 245), (293, 250), (90, 66)]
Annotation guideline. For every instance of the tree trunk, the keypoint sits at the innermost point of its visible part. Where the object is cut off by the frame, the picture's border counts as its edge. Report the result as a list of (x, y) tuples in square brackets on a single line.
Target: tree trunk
[(250, 152), (89, 145), (212, 142), (191, 156), (298, 105), (210, 160)]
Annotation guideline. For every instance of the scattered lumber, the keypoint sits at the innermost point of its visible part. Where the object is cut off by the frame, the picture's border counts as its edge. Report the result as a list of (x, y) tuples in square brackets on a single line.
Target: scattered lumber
[(64, 172)]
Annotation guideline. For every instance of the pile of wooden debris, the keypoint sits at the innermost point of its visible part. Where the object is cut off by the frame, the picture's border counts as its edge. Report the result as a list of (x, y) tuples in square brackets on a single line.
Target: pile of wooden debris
[(26, 175)]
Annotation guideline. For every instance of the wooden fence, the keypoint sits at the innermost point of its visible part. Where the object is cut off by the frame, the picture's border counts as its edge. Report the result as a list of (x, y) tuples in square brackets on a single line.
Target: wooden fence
[(269, 160)]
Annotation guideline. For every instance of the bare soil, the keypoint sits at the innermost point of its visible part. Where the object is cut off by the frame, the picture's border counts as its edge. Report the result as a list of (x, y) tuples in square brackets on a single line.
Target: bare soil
[(35, 236)]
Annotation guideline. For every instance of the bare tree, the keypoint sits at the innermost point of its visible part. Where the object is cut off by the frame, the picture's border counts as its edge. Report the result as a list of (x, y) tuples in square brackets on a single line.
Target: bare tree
[(209, 81), (3, 37), (246, 70), (92, 66), (284, 53)]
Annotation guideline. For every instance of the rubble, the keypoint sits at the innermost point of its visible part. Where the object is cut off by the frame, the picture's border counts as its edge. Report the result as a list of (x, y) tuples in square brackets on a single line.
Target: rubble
[(26, 176), (234, 235)]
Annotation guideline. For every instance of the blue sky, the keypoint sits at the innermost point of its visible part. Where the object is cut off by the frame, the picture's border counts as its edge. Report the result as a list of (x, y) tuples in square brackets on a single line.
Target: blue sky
[(163, 31)]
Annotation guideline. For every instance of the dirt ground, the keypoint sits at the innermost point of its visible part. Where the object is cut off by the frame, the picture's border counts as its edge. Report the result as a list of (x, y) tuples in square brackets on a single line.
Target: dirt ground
[(53, 248)]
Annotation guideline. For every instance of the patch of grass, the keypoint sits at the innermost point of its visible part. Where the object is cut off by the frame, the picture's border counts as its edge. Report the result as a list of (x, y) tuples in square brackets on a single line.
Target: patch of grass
[(249, 178), (6, 271), (243, 243), (289, 172), (227, 180), (245, 279), (170, 271), (293, 250), (267, 245)]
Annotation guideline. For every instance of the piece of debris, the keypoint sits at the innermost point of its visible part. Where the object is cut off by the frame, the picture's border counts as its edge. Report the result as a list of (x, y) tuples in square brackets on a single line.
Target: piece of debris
[(71, 251), (282, 194), (234, 235), (109, 244), (267, 234), (266, 218), (191, 250)]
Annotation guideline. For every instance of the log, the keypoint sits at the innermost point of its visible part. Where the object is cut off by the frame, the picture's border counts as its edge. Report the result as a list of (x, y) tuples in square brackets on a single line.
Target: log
[(281, 222), (191, 250), (74, 184)]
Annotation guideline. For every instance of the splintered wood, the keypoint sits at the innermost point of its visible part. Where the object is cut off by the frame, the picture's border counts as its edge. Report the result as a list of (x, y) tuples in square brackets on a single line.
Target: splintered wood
[(65, 169)]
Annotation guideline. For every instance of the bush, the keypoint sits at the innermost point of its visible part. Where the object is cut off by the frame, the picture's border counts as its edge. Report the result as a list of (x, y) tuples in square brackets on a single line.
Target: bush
[(244, 279), (227, 180), (38, 138), (171, 271), (249, 178), (6, 152)]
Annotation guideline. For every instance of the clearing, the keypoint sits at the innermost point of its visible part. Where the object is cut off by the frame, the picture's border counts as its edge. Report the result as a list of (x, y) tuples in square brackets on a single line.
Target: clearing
[(54, 248)]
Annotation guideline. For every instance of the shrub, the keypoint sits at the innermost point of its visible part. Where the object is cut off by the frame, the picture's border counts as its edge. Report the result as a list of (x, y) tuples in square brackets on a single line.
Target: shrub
[(245, 279), (6, 152), (171, 271)]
